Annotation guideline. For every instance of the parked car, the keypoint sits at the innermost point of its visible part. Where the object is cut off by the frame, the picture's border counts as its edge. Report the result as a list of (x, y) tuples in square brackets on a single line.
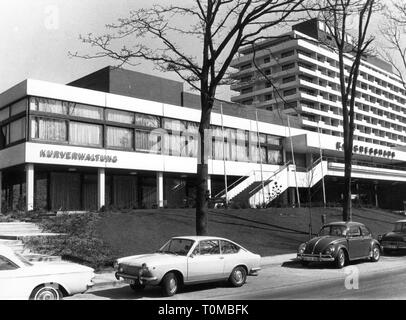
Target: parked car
[(186, 260), (394, 240), (340, 243), (21, 279)]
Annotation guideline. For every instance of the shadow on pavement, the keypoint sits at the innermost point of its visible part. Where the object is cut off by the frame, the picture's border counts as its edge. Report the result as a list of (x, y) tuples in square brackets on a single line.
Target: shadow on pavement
[(295, 264), (126, 293)]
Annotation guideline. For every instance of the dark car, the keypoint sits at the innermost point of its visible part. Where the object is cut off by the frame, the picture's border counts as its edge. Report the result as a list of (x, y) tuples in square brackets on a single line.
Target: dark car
[(340, 243), (396, 239)]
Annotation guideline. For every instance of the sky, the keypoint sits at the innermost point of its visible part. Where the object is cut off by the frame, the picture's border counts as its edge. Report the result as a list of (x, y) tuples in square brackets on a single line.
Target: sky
[(38, 34)]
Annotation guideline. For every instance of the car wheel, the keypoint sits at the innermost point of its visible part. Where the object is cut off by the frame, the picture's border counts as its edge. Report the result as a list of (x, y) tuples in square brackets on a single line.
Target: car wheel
[(46, 292), (376, 253), (137, 287), (340, 259), (238, 276), (170, 284)]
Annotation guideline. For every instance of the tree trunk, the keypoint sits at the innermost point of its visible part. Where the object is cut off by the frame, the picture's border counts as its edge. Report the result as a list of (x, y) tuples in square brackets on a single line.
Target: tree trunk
[(347, 204), (202, 193)]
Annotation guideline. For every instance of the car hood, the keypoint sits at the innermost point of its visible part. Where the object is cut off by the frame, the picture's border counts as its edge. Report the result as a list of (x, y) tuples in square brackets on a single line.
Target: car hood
[(319, 244), (150, 259), (393, 236)]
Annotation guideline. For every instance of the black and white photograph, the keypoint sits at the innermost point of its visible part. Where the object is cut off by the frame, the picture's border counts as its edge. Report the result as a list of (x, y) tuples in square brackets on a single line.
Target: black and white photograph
[(216, 152)]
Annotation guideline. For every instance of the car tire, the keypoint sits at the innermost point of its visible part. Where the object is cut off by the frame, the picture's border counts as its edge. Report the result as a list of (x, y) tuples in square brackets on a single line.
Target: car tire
[(170, 284), (46, 292), (340, 259), (376, 253), (238, 276), (137, 287)]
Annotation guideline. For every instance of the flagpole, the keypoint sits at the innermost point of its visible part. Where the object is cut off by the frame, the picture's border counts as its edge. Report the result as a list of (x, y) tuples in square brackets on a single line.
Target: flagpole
[(294, 164), (260, 158), (224, 155)]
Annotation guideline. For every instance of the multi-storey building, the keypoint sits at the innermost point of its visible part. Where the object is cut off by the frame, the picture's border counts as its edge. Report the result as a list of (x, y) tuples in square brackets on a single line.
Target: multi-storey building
[(298, 73)]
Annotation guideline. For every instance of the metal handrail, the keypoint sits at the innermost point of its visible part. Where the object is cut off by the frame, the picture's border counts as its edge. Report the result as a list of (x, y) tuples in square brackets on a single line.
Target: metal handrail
[(233, 184), (273, 175)]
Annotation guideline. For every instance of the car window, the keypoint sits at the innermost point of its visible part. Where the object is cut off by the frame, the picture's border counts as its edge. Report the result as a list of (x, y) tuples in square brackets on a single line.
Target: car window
[(177, 246), (6, 264), (365, 231), (400, 227), (228, 247), (209, 247), (354, 231)]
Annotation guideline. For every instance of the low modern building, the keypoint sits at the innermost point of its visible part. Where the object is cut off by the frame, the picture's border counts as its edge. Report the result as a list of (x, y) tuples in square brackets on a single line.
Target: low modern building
[(122, 139)]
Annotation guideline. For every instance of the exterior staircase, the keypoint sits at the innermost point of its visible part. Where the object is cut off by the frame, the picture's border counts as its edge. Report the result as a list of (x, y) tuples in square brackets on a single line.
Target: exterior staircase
[(12, 235)]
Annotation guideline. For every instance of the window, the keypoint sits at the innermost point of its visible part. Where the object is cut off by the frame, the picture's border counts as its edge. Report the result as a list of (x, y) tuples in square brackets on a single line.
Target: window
[(354, 231), (148, 141), (365, 231), (17, 130), (228, 247), (288, 79), (85, 134), (48, 105), (120, 137), (120, 116), (274, 156), (49, 129), (85, 111), (6, 264), (288, 66), (289, 92), (146, 121), (177, 246), (174, 125), (18, 107), (4, 136), (4, 114), (209, 247)]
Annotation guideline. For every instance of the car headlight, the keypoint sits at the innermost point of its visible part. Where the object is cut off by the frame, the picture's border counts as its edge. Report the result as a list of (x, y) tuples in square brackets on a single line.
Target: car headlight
[(302, 248), (330, 249)]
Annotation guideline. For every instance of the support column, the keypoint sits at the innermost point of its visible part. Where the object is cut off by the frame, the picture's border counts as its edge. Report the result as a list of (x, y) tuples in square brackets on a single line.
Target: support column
[(160, 189), (101, 187), (209, 184), (29, 185)]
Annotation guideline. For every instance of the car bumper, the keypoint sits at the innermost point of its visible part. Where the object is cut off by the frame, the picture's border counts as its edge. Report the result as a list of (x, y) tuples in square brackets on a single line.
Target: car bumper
[(315, 258), (254, 271), (136, 279)]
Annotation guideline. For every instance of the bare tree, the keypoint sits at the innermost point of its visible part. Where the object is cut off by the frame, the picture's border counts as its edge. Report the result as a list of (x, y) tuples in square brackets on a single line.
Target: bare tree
[(394, 31), (341, 18), (217, 27)]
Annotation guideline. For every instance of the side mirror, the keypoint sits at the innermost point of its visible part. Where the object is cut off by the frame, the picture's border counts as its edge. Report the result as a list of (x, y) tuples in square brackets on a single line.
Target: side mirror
[(191, 255)]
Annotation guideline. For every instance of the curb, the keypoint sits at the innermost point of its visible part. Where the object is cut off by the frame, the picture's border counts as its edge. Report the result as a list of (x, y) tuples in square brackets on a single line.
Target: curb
[(108, 279)]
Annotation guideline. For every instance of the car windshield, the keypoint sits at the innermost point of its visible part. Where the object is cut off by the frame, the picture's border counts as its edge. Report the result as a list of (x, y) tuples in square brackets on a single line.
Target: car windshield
[(333, 230), (400, 227), (177, 246)]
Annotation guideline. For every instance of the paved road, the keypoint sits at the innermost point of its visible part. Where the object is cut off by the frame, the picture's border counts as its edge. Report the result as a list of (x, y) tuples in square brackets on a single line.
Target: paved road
[(385, 279)]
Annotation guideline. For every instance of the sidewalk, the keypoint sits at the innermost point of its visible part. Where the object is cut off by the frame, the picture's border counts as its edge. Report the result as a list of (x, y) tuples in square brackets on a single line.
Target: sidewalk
[(103, 279)]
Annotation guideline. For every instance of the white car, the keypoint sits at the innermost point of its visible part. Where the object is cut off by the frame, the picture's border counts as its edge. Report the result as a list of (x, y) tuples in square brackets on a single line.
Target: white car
[(21, 279), (186, 260)]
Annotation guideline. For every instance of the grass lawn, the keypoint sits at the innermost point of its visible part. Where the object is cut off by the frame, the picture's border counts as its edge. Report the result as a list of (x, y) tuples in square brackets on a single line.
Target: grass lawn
[(264, 231)]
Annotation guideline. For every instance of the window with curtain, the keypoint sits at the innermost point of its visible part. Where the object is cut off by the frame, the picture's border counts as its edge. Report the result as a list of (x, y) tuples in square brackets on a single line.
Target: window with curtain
[(272, 140), (4, 114), (191, 136), (174, 125), (18, 107), (17, 130), (85, 111), (120, 116), (148, 141), (120, 137), (48, 105), (144, 120), (49, 129), (274, 157), (85, 134)]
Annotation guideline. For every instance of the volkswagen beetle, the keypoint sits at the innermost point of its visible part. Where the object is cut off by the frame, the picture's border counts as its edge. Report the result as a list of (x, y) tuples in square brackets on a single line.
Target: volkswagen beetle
[(186, 260), (340, 243)]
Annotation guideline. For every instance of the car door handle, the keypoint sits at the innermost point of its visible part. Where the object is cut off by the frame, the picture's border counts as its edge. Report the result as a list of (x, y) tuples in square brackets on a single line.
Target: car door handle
[(221, 258)]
